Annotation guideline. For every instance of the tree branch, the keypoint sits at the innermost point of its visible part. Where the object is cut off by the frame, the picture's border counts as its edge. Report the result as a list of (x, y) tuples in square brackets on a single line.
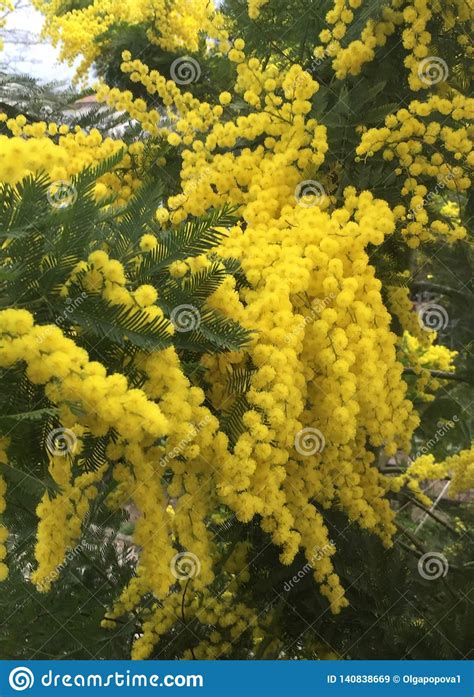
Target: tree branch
[(430, 513), (443, 290), (443, 375)]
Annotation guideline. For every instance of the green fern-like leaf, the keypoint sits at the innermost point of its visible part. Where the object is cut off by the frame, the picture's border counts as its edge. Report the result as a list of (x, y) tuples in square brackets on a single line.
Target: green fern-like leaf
[(214, 333), (120, 324)]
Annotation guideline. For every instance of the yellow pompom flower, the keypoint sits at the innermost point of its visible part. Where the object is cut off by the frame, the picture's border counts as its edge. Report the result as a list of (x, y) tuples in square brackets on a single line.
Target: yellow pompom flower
[(145, 295)]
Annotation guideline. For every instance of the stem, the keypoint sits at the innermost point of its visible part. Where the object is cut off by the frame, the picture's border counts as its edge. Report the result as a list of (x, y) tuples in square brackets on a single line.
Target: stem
[(443, 375), (431, 513), (407, 548), (183, 615), (413, 539), (443, 290), (431, 509)]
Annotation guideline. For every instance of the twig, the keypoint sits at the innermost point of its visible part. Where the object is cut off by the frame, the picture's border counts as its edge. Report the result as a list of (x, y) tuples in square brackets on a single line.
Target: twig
[(413, 539), (443, 290), (443, 375), (183, 615), (430, 511)]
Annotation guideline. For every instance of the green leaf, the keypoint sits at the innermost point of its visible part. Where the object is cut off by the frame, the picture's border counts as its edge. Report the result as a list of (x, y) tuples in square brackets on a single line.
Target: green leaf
[(191, 239), (215, 333), (33, 415), (120, 324), (378, 114)]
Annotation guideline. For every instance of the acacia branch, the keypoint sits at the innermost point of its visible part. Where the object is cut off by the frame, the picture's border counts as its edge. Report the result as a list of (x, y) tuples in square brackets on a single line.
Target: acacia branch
[(443, 375), (431, 513), (413, 539), (443, 290)]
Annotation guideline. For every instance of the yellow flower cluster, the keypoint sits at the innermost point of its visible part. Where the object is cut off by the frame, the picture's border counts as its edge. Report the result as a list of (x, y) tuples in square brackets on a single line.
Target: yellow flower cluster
[(254, 7), (227, 617), (174, 26), (417, 348), (325, 386), (61, 518), (62, 153), (316, 378), (459, 467), (421, 469), (192, 443), (231, 619), (350, 59), (164, 427), (454, 14), (265, 178), (451, 210), (105, 275), (224, 614), (417, 39), (409, 137), (334, 378), (413, 16), (105, 403), (402, 307), (192, 447), (423, 356), (437, 357)]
